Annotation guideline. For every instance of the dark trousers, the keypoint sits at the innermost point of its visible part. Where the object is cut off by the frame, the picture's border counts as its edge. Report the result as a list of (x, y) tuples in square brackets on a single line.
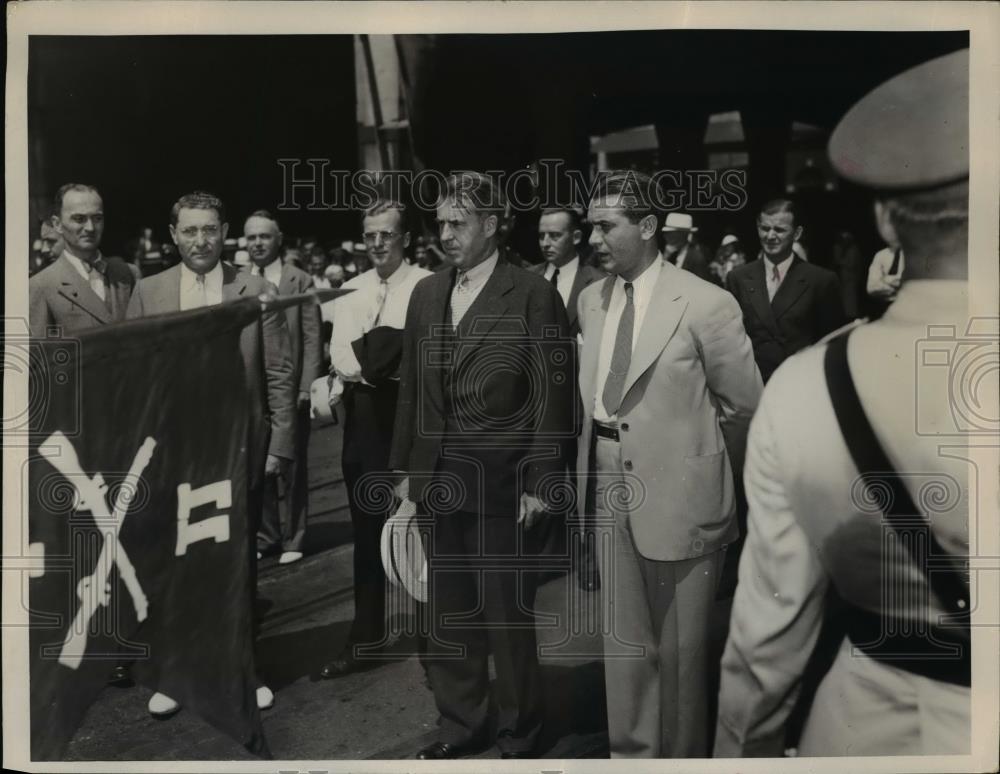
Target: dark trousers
[(479, 607), (286, 499), (368, 627)]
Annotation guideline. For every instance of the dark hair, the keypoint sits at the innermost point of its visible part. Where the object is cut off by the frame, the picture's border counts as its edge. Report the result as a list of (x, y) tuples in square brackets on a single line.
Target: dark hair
[(266, 214), (635, 192), (476, 193), (575, 219), (57, 201), (199, 200), (777, 206), (926, 219)]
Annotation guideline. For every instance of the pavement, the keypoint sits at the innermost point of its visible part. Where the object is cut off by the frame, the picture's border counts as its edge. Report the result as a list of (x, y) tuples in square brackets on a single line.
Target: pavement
[(383, 713)]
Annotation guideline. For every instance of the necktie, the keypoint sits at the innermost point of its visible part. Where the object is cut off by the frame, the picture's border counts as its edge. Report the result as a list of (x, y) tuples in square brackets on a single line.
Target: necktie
[(380, 295), (621, 357), (96, 272), (554, 279), (460, 299), (257, 271), (200, 293), (775, 275)]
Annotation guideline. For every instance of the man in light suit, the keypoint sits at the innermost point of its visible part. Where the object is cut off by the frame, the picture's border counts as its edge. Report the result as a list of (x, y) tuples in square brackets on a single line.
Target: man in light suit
[(479, 437), (80, 289), (198, 228), (669, 384), (286, 501), (788, 304)]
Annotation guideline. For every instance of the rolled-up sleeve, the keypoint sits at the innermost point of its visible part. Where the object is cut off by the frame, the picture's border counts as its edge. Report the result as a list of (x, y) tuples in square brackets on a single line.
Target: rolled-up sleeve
[(777, 610)]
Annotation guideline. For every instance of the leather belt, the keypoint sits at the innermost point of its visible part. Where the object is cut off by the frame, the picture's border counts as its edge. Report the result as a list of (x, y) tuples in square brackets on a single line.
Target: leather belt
[(606, 431)]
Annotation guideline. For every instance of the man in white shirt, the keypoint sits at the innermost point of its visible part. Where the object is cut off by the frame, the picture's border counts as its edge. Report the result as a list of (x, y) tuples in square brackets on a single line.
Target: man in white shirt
[(81, 288), (669, 384), (365, 352), (286, 497)]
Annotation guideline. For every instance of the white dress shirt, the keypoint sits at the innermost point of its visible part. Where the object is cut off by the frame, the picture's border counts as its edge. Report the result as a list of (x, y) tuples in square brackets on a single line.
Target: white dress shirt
[(468, 287), (353, 314), (772, 283), (93, 278), (642, 295), (194, 295), (272, 272), (567, 275)]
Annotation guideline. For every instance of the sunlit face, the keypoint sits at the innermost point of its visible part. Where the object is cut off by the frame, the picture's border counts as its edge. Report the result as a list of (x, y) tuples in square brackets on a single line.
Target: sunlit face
[(51, 242), (80, 222), (777, 233), (557, 238), (317, 265), (385, 240), (263, 240), (619, 244), (466, 237), (199, 236)]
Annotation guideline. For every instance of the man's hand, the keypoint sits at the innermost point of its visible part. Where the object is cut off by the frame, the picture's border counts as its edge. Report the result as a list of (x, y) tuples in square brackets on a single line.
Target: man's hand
[(532, 509), (888, 287), (275, 465), (402, 485)]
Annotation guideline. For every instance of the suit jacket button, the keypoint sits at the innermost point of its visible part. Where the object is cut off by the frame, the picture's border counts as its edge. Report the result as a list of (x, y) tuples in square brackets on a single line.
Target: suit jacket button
[(625, 426), (627, 464)]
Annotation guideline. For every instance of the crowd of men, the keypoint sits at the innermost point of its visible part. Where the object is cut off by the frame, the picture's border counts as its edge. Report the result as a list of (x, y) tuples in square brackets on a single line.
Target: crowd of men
[(481, 389)]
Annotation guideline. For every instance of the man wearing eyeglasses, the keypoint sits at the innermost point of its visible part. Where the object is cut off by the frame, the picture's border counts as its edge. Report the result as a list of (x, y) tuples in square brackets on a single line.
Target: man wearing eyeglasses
[(365, 352), (286, 500), (198, 227)]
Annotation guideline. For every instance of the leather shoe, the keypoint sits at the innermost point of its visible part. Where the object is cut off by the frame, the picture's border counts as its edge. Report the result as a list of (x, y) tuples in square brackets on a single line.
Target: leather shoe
[(342, 665)]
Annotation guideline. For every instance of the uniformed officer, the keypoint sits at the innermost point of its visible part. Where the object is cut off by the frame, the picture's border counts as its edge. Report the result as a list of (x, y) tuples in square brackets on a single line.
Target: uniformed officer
[(848, 485)]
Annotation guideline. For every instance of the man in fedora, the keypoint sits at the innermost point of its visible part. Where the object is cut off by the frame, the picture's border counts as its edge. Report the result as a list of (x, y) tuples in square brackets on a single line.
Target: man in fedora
[(680, 249)]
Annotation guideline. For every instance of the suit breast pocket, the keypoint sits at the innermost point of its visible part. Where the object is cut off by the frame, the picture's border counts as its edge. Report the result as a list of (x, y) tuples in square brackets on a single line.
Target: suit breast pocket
[(709, 488)]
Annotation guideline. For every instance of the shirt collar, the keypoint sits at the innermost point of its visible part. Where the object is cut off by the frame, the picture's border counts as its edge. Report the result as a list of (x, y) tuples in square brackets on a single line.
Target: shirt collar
[(483, 270), (570, 265), (213, 276), (396, 277), (649, 275), (782, 267), (78, 263)]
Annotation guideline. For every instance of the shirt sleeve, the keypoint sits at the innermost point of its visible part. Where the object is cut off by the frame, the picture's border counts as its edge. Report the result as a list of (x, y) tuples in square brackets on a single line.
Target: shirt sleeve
[(346, 328), (777, 610)]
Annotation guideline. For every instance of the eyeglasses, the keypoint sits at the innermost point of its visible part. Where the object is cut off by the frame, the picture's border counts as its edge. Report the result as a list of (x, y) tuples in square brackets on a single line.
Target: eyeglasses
[(371, 237)]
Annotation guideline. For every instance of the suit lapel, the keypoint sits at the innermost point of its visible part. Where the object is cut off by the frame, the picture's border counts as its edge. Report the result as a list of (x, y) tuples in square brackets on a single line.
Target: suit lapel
[(484, 313), (793, 286), (77, 291), (756, 285), (595, 314), (658, 324), (234, 283), (579, 283), (285, 286)]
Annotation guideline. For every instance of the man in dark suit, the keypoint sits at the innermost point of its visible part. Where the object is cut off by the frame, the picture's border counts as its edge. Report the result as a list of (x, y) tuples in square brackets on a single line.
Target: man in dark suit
[(198, 227), (787, 304), (480, 437), (81, 289), (560, 233), (286, 501)]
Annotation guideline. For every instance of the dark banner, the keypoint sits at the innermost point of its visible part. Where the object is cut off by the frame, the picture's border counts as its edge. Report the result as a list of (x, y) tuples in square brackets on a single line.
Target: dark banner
[(137, 499)]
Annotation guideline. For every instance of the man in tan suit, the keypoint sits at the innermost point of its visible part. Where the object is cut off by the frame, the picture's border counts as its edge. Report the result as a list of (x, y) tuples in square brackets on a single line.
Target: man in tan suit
[(669, 384), (81, 288)]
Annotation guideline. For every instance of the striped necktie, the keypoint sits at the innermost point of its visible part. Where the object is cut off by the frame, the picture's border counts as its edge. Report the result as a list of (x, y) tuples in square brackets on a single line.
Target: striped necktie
[(621, 356)]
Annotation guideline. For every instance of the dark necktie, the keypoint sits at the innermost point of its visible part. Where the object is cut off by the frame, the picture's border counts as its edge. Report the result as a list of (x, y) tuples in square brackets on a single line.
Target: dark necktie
[(621, 357), (554, 279)]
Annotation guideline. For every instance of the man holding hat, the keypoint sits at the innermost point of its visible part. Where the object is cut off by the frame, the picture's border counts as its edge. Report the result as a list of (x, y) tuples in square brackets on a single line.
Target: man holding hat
[(839, 467), (680, 248)]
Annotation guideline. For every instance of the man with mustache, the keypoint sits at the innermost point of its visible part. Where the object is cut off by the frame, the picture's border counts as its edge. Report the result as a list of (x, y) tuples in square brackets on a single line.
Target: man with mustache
[(81, 288), (286, 499), (788, 304)]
